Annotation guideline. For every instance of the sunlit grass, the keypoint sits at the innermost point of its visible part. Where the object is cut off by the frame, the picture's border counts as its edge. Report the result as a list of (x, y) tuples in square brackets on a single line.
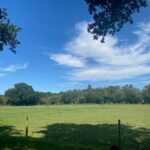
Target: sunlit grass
[(74, 127), (40, 116)]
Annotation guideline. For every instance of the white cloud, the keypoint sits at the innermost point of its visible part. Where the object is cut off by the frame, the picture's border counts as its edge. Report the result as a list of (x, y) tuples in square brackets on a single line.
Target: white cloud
[(68, 60), (12, 68), (69, 84), (109, 73), (110, 60)]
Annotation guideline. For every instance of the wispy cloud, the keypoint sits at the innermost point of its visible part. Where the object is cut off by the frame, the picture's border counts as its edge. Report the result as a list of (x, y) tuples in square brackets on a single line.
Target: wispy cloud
[(106, 61), (69, 84), (68, 60), (12, 68)]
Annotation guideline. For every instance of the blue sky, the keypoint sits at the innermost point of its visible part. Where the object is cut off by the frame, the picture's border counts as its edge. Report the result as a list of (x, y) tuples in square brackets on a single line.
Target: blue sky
[(56, 52)]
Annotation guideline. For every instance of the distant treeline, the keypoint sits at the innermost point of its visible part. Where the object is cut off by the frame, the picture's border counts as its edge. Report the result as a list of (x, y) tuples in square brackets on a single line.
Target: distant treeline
[(24, 94)]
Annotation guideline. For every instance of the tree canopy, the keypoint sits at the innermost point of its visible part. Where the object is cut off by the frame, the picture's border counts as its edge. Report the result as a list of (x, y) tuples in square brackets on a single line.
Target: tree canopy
[(24, 94), (21, 94), (8, 32), (109, 16)]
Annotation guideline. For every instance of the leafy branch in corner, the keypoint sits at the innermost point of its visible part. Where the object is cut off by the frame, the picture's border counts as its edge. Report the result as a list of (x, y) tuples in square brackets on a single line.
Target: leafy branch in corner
[(8, 32), (109, 16)]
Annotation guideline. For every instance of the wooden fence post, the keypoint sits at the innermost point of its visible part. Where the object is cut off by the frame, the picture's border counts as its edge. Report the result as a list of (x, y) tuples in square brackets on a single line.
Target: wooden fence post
[(26, 131), (119, 134)]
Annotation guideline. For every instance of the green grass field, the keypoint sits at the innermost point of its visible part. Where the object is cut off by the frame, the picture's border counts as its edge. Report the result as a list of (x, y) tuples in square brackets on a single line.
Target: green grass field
[(75, 127)]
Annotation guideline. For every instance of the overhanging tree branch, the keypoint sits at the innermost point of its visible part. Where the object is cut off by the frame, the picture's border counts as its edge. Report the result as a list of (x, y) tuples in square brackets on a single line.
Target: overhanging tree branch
[(8, 32), (109, 16)]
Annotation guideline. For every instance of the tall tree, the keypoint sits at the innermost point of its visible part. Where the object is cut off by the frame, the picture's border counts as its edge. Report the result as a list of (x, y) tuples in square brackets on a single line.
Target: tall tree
[(89, 94), (21, 94), (132, 94), (146, 94)]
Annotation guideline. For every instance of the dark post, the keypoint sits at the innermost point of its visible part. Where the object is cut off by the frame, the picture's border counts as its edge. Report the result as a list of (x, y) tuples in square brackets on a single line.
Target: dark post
[(119, 134), (26, 132)]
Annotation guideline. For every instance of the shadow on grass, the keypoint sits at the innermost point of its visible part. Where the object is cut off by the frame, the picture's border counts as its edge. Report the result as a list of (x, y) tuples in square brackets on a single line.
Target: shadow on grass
[(76, 137), (12, 139)]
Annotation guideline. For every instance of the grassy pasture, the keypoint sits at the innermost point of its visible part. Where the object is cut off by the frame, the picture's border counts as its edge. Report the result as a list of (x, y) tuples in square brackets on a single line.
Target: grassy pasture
[(75, 127)]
